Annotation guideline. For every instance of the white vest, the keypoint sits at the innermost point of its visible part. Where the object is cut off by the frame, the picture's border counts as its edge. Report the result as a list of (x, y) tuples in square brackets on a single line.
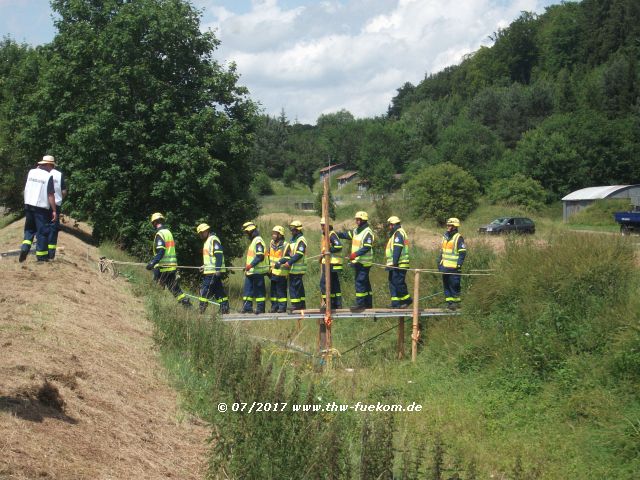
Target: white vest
[(35, 191), (57, 185)]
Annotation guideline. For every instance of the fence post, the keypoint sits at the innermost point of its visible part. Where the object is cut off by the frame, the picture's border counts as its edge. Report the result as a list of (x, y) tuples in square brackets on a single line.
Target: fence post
[(416, 316)]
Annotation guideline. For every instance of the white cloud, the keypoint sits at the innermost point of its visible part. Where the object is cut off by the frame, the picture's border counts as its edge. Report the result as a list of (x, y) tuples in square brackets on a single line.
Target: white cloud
[(329, 55)]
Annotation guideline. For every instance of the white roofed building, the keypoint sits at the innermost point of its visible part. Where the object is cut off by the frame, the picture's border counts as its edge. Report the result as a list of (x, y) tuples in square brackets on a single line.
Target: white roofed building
[(580, 199)]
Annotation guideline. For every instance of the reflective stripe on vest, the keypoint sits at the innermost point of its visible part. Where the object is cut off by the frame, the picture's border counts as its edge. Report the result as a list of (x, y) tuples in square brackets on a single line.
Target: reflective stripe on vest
[(35, 190), (450, 253), (263, 266), (404, 255), (300, 266), (276, 252), (57, 185), (336, 258), (208, 256), (169, 261), (357, 242)]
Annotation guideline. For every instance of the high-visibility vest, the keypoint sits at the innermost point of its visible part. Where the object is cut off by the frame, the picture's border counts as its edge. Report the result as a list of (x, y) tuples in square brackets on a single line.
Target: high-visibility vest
[(300, 266), (35, 190), (336, 258), (169, 260), (450, 253), (263, 266), (403, 262), (208, 255), (57, 185), (357, 241), (276, 253)]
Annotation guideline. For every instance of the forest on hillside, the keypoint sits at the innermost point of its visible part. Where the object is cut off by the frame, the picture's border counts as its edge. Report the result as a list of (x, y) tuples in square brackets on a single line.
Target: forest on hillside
[(556, 98), (129, 98)]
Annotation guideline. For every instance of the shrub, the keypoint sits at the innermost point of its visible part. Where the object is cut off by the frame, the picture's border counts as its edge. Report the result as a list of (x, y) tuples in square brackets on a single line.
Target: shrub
[(518, 190), (442, 191), (261, 184)]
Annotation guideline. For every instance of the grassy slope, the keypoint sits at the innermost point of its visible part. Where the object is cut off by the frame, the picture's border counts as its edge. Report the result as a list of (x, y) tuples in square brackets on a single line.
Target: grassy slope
[(572, 421)]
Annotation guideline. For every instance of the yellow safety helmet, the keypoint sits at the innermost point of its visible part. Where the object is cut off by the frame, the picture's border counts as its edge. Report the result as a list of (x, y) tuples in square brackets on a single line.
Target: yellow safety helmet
[(362, 216), (278, 229), (203, 227), (393, 220), (453, 221), (157, 216), (248, 227), (297, 224)]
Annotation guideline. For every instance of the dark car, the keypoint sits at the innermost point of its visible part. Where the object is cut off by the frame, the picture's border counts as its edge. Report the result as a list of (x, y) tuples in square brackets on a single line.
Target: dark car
[(509, 225)]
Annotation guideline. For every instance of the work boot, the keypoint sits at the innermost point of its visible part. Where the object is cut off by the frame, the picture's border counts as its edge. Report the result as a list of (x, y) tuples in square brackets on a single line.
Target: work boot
[(244, 310), (282, 309), (23, 255), (406, 303), (224, 308), (357, 308), (186, 303), (393, 306), (274, 308), (202, 307)]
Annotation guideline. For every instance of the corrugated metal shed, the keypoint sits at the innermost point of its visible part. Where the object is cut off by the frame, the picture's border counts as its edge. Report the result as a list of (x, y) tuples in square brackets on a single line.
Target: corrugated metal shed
[(580, 199)]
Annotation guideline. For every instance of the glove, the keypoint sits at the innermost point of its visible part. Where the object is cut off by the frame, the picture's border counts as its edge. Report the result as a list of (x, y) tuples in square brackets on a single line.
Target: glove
[(353, 256), (217, 274), (286, 265), (150, 266), (247, 267)]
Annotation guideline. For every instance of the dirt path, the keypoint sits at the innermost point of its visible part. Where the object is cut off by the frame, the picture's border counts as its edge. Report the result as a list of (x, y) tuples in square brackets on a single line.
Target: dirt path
[(82, 394)]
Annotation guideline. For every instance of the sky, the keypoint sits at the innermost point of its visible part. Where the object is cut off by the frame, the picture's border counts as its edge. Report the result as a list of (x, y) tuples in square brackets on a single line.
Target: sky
[(314, 57)]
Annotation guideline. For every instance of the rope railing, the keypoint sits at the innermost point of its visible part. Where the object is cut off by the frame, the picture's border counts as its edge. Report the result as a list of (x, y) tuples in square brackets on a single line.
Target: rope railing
[(106, 262)]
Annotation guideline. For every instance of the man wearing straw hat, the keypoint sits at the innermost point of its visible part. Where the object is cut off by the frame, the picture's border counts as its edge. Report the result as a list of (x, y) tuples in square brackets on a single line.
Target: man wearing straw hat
[(39, 209), (165, 260), (60, 192)]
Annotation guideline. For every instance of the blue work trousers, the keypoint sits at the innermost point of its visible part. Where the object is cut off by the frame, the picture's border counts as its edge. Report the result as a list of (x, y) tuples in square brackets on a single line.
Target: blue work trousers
[(254, 289), (398, 287), (364, 293), (296, 291), (336, 291), (36, 224), (451, 285), (169, 280), (54, 228), (212, 288), (278, 293)]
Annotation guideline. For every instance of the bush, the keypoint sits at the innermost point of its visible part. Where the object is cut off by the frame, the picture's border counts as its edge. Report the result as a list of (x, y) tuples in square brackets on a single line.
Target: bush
[(289, 176), (317, 205), (518, 190), (442, 191), (261, 184)]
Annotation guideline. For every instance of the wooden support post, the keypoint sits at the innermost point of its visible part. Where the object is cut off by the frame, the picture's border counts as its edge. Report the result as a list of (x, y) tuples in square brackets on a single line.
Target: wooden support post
[(416, 316), (326, 323), (401, 338)]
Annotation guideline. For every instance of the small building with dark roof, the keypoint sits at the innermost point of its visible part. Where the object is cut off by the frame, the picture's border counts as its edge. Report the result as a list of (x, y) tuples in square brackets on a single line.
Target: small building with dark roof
[(346, 177)]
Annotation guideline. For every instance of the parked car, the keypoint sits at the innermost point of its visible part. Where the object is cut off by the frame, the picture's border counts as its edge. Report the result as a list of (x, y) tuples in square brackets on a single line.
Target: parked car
[(509, 225)]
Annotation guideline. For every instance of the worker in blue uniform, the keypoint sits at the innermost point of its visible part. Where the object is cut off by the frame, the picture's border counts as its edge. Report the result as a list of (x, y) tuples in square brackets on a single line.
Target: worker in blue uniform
[(256, 267), (397, 261), (213, 268), (361, 259), (39, 209), (334, 244), (452, 257), (165, 260), (296, 262), (60, 193), (278, 275)]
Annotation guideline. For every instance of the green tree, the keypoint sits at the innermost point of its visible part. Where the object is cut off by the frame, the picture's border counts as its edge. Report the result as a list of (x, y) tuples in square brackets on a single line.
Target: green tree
[(20, 67), (518, 190), (317, 205), (442, 191), (471, 146), (145, 120)]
